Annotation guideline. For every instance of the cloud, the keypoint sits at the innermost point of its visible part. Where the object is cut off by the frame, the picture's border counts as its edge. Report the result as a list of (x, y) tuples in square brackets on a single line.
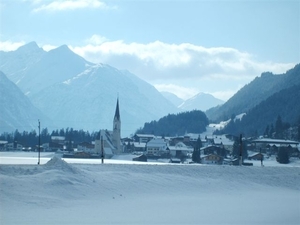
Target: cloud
[(183, 69), (157, 60), (10, 46), (70, 5), (49, 47)]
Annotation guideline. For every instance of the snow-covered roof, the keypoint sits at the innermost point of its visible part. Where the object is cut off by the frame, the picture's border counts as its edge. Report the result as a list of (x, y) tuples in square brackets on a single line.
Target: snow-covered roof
[(275, 141), (157, 143), (61, 138), (139, 144), (180, 148), (145, 135), (221, 139)]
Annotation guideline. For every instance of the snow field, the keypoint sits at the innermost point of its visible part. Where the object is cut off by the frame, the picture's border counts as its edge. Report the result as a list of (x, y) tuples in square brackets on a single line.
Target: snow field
[(62, 193)]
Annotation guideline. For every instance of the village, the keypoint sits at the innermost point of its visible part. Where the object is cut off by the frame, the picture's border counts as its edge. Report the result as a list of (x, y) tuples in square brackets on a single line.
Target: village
[(212, 149)]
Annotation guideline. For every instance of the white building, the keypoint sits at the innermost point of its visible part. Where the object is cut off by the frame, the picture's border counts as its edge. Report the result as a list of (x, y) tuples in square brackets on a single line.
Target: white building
[(180, 149), (157, 147)]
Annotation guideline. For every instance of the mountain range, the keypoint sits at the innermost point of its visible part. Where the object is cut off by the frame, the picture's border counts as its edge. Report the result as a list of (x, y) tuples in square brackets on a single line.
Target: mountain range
[(75, 93), (64, 90), (252, 94), (201, 101)]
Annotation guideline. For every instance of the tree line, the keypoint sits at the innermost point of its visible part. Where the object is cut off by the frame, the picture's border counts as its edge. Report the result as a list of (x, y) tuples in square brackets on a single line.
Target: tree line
[(31, 138)]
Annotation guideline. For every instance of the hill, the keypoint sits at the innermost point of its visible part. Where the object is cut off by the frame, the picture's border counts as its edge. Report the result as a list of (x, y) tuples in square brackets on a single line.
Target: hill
[(284, 103), (177, 124), (17, 111), (254, 93)]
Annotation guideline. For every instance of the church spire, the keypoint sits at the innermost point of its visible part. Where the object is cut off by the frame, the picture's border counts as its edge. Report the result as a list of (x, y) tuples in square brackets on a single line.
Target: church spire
[(117, 113)]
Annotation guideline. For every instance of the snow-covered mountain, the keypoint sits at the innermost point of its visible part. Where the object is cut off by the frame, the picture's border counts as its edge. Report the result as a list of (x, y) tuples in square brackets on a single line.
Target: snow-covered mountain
[(38, 69), (76, 93), (201, 101), (174, 99), (17, 112)]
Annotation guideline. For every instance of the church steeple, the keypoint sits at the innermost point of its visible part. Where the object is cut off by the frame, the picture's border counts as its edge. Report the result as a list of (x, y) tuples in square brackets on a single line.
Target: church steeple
[(117, 113), (117, 129)]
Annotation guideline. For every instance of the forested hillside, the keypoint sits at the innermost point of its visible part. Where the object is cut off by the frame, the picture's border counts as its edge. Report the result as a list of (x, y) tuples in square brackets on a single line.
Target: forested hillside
[(285, 104), (177, 124), (254, 93)]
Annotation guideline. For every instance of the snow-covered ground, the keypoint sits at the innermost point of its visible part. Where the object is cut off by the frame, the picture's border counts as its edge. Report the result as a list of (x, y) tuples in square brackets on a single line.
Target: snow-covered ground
[(86, 192)]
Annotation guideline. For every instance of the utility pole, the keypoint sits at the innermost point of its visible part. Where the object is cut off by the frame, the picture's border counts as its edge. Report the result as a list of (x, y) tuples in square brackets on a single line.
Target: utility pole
[(39, 142), (241, 149), (102, 150)]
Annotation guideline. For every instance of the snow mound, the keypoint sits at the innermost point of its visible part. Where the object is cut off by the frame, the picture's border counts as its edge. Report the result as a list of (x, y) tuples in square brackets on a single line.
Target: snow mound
[(57, 163)]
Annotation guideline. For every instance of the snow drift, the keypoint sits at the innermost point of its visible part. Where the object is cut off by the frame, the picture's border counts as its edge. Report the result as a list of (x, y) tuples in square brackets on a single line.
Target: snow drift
[(62, 193)]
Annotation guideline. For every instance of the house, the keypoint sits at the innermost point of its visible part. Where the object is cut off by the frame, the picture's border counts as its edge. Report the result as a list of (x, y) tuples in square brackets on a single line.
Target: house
[(58, 139), (212, 149), (212, 159), (143, 138), (139, 146), (266, 143), (85, 147), (256, 156), (3, 145), (180, 149), (221, 141), (157, 148), (14, 146)]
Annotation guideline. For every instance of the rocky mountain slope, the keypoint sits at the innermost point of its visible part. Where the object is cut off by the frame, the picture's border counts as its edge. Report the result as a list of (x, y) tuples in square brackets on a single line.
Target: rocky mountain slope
[(17, 111)]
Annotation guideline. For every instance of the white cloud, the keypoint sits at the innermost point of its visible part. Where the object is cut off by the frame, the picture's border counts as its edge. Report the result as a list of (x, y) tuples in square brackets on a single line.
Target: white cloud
[(49, 47), (183, 69), (10, 46), (70, 5), (158, 60), (96, 40)]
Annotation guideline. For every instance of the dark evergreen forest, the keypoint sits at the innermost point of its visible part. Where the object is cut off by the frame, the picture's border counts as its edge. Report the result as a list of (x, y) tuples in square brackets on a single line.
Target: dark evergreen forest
[(177, 124), (282, 106)]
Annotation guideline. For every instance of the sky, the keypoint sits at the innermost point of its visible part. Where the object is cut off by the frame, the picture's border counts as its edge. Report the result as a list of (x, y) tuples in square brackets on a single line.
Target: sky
[(183, 47)]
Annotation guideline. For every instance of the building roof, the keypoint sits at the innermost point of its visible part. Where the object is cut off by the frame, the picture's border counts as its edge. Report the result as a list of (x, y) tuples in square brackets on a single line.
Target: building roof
[(146, 135), (139, 144), (61, 138), (275, 141), (157, 143)]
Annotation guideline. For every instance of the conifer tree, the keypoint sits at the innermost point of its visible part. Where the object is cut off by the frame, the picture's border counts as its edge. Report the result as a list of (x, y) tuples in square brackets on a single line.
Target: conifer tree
[(283, 156)]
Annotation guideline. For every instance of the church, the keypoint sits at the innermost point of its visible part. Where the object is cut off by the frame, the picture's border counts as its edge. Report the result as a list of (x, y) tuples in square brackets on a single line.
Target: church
[(110, 140)]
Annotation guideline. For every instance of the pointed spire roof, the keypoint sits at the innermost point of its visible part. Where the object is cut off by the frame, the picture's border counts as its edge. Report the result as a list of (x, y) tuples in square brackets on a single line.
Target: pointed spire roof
[(117, 113)]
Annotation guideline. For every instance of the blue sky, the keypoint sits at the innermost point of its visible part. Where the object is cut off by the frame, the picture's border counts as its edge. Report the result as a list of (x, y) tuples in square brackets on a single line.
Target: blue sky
[(184, 47)]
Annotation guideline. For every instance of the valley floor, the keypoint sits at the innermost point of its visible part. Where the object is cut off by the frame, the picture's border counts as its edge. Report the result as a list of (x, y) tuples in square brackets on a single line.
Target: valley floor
[(58, 192)]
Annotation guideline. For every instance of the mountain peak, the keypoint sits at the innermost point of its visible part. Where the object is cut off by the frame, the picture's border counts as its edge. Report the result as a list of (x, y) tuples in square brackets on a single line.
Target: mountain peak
[(201, 101), (62, 48), (31, 46)]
